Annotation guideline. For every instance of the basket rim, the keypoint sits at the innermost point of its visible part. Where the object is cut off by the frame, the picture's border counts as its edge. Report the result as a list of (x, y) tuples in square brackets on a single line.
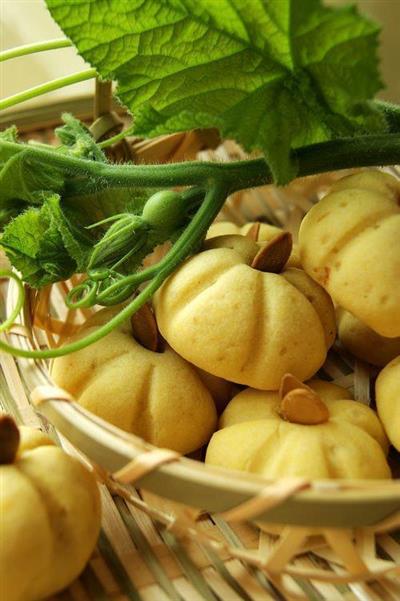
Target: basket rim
[(189, 481), (126, 442)]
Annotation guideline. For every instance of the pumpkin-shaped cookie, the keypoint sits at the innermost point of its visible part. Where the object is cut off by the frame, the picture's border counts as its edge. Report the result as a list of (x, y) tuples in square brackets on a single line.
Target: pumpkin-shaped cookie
[(251, 404), (297, 434), (364, 343), (388, 400), (260, 232), (49, 515), (155, 395), (236, 312), (349, 243)]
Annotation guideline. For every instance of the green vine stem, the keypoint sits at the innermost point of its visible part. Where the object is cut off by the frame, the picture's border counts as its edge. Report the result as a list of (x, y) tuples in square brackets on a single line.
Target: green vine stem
[(50, 86), (33, 48), (116, 138), (196, 230), (363, 151), (5, 325)]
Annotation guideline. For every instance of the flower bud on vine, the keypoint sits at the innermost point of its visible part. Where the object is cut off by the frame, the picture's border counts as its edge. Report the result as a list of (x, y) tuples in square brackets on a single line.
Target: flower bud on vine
[(123, 238)]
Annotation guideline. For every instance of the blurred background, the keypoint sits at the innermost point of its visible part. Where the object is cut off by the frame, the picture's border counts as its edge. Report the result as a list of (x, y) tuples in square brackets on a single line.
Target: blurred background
[(27, 21)]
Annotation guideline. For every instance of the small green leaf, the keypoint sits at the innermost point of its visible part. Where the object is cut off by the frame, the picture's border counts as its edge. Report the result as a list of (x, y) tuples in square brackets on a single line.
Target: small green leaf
[(36, 249), (10, 134), (22, 180), (275, 75), (78, 140), (77, 242), (40, 246)]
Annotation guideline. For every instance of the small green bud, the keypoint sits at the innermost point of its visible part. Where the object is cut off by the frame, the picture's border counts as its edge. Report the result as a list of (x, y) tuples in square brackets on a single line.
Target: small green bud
[(165, 212)]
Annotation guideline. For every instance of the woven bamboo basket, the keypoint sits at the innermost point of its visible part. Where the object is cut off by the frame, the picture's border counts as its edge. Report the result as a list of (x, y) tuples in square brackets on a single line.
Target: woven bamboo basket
[(174, 528)]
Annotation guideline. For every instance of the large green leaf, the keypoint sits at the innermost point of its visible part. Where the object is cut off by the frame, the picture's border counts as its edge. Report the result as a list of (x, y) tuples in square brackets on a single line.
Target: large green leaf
[(273, 74)]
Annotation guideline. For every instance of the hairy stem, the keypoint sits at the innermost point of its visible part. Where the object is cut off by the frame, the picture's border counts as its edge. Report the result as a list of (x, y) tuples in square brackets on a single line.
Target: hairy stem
[(50, 86), (32, 48), (363, 151)]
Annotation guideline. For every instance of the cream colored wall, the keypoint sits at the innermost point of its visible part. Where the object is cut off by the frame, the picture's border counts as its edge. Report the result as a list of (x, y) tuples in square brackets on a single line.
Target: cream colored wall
[(25, 21)]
